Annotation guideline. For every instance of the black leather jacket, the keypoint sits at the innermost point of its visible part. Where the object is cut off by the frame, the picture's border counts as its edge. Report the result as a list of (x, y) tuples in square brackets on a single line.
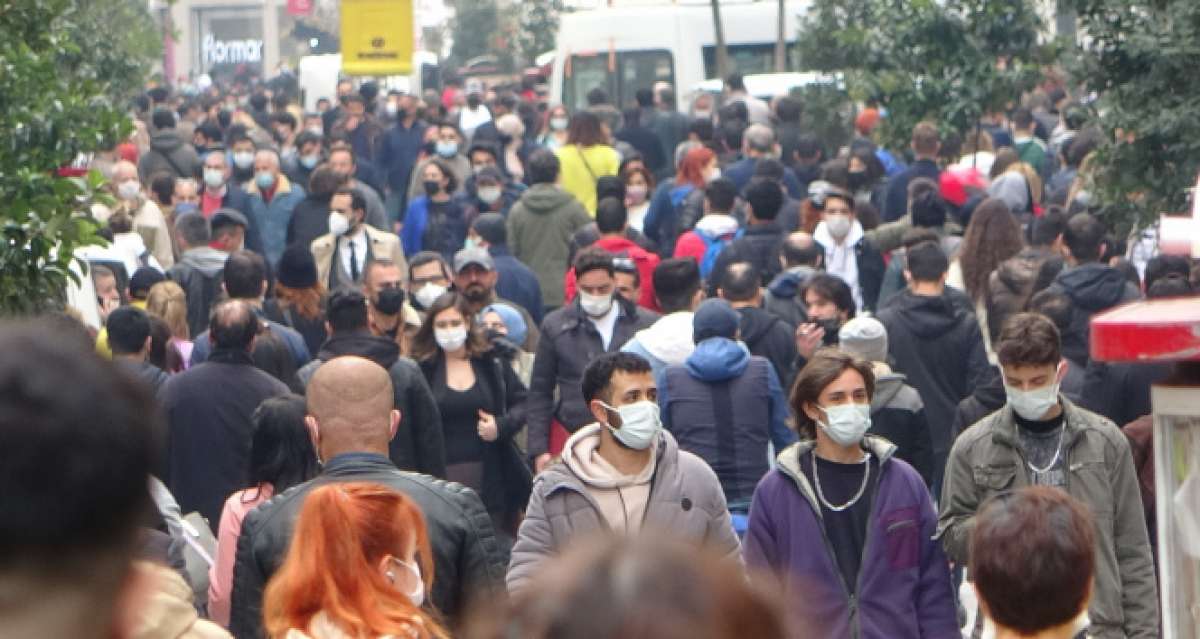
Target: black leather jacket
[(468, 560)]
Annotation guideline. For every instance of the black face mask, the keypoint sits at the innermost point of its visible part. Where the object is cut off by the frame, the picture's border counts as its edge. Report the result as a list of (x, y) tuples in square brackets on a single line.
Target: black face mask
[(391, 300), (429, 148), (492, 335), (831, 327), (857, 180), (473, 102), (393, 331), (431, 187)]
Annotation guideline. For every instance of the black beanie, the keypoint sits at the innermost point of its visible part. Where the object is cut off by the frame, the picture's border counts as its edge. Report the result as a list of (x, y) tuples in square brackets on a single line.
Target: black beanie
[(297, 268)]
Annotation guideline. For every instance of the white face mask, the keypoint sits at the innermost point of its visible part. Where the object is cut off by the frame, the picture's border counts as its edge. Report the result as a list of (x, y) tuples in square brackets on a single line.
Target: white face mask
[(417, 594), (243, 159), (1033, 404), (838, 225), (846, 424), (489, 194), (129, 190), (640, 424), (214, 178), (713, 175), (595, 305), (450, 339), (635, 194), (559, 124), (338, 224), (428, 294), (391, 108)]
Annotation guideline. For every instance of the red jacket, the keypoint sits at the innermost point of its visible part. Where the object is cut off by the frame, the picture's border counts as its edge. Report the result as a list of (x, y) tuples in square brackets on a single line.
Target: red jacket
[(645, 261)]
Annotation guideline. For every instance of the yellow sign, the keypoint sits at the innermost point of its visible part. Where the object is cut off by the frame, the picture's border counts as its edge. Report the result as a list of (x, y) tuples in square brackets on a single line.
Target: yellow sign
[(377, 37)]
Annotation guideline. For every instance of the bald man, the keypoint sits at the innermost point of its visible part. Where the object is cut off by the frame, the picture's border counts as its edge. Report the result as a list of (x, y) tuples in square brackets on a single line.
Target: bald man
[(148, 219), (801, 258), (351, 419), (273, 198)]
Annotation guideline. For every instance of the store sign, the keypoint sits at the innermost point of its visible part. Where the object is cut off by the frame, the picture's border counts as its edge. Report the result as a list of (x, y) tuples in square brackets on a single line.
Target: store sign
[(300, 7), (377, 37), (216, 51)]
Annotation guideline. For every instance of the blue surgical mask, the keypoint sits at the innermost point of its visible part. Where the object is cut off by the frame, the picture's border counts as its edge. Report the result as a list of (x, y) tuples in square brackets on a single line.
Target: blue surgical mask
[(264, 179), (309, 161), (447, 149)]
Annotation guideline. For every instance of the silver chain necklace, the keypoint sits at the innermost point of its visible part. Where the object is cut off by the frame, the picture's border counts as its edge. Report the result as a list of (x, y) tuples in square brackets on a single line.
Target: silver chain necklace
[(853, 500), (1057, 453)]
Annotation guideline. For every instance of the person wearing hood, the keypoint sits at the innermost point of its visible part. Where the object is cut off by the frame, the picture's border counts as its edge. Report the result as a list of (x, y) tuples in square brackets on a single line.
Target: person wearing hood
[(725, 405), (763, 334), (1092, 285), (1012, 189), (198, 271), (937, 345), (678, 290), (1010, 286), (848, 254), (844, 525), (599, 322), (419, 445), (612, 225), (541, 224), (897, 412), (715, 231), (622, 474), (167, 151), (515, 282), (147, 219), (800, 257)]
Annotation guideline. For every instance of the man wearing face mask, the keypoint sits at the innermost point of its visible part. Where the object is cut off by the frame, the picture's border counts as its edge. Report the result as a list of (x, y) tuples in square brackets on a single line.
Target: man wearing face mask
[(308, 156), (428, 278), (847, 523), (848, 254), (148, 219), (273, 198), (343, 161), (221, 193), (241, 155), (597, 322), (391, 314), (344, 251), (1041, 438), (515, 281), (475, 276), (622, 473)]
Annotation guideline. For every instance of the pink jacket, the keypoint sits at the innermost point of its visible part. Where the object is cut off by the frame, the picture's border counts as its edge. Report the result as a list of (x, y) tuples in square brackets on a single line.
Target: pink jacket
[(220, 576)]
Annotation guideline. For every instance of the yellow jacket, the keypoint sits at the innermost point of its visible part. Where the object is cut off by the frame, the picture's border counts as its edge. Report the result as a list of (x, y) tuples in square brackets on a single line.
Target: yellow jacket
[(581, 167)]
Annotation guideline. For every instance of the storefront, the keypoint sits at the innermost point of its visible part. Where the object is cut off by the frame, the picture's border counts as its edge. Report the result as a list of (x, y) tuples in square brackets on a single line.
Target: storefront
[(227, 37)]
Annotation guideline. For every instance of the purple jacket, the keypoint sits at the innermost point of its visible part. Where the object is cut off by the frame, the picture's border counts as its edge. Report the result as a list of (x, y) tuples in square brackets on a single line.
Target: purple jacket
[(904, 584)]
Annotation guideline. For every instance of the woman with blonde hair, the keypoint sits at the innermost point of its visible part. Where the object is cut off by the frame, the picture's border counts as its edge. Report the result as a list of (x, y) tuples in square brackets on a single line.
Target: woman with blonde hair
[(358, 567), (167, 301)]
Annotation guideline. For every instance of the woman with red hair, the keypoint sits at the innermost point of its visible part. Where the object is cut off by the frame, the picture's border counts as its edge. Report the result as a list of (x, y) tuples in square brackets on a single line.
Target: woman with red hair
[(358, 567), (679, 202)]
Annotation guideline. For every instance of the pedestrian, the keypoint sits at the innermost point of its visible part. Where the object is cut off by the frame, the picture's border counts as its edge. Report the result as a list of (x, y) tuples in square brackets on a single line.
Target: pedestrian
[(281, 456), (587, 156), (668, 341), (475, 278), (505, 328), (343, 252), (475, 114), (764, 334), (830, 305), (419, 444), (167, 302), (936, 345), (760, 241), (299, 298), (879, 572), (1010, 286), (209, 409), (273, 199), (757, 111), (1039, 438), (482, 404), (622, 474), (993, 237), (221, 193), (310, 218), (129, 338), (397, 154), (638, 134), (553, 135), (144, 215), (598, 322), (167, 150), (358, 175), (351, 418), (709, 236), (848, 254), (376, 585), (758, 144), (448, 148), (926, 143), (391, 314), (897, 412), (800, 258), (679, 202), (199, 269), (725, 405), (429, 276), (612, 224), (541, 224), (515, 280), (435, 221), (488, 190), (639, 184)]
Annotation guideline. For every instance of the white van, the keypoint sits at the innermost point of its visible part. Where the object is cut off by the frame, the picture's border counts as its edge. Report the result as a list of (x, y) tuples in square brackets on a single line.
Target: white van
[(623, 49)]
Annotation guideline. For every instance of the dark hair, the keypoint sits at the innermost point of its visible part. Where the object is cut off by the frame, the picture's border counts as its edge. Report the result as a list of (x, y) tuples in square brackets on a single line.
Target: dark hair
[(925, 204), (429, 257), (702, 128), (447, 172), (734, 82), (676, 281), (209, 130), (284, 118), (627, 172), (740, 282), (644, 97), (424, 344), (721, 194), (1082, 146), (765, 198), (245, 272), (808, 146), (836, 172), (599, 373), (128, 327), (1084, 236), (610, 186), (1172, 285), (1029, 339), (163, 119), (77, 443), (597, 96), (1022, 118), (1032, 556), (358, 202), (281, 452), (306, 137), (593, 259), (162, 184), (926, 262), (993, 236), (1162, 266), (346, 310), (795, 255), (1048, 227), (832, 288), (324, 181), (232, 325), (1005, 158), (585, 130), (611, 215), (822, 369), (769, 169), (666, 95), (542, 167), (193, 229), (788, 109)]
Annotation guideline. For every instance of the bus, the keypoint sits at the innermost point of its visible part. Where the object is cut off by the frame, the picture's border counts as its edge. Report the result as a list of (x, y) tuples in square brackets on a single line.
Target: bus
[(624, 48)]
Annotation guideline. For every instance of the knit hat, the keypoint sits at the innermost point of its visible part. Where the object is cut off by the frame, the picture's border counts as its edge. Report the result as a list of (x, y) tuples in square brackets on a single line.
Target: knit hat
[(865, 338), (297, 268), (517, 330), (715, 318)]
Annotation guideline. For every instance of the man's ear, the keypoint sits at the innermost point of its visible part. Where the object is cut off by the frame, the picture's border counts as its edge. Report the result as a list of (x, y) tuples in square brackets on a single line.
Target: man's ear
[(598, 411), (314, 432), (394, 425), (908, 277), (146, 345)]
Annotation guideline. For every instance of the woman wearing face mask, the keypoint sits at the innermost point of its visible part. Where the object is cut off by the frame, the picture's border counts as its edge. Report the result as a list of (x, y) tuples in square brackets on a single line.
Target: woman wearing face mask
[(846, 526), (639, 184), (435, 221), (482, 404), (505, 328), (359, 565), (553, 135)]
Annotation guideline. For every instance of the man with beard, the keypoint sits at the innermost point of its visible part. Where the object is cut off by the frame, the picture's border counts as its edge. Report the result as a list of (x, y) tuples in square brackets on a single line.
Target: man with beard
[(475, 276)]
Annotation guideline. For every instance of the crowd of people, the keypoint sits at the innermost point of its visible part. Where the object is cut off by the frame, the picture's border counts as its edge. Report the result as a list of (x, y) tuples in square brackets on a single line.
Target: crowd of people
[(469, 365)]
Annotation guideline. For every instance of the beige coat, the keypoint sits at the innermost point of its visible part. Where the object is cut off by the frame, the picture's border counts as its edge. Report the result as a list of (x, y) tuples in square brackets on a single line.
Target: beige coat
[(151, 224), (383, 246), (167, 612)]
